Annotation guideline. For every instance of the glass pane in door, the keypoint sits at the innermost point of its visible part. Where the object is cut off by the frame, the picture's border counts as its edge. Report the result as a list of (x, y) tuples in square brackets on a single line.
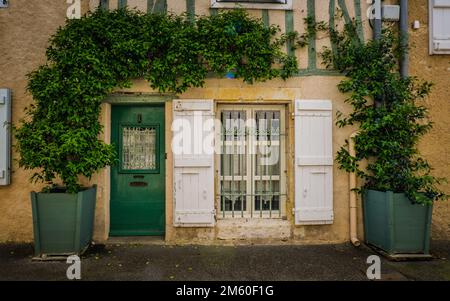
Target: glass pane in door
[(138, 148)]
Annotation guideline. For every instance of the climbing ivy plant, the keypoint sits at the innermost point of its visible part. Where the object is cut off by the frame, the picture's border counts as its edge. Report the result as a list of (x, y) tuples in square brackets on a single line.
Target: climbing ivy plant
[(89, 57), (388, 110)]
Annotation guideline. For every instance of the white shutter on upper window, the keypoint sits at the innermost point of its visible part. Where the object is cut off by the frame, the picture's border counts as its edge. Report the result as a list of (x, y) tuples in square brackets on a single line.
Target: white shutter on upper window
[(313, 162), (439, 26), (192, 147)]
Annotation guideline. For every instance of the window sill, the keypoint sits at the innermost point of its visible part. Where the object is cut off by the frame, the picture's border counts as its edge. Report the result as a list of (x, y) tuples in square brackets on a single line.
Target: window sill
[(274, 6), (247, 216)]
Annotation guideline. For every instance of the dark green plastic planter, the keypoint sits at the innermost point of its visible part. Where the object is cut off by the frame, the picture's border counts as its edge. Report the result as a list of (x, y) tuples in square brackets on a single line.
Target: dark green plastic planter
[(62, 222), (395, 225)]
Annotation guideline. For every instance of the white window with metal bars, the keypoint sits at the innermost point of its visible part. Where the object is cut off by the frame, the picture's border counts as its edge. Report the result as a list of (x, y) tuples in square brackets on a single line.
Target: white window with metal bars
[(252, 175)]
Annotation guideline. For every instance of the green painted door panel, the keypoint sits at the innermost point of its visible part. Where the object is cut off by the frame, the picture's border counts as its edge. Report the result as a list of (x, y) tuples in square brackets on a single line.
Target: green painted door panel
[(138, 179)]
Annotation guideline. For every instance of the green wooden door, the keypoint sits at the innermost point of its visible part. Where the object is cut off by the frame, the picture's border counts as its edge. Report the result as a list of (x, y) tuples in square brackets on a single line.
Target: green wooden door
[(138, 179)]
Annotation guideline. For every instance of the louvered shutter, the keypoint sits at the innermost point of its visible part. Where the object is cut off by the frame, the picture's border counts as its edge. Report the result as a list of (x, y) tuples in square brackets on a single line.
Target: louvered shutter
[(193, 142), (313, 162), (439, 26)]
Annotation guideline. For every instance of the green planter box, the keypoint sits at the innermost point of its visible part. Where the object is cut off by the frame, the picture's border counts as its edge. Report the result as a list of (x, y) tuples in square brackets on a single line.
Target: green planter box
[(62, 222), (395, 225)]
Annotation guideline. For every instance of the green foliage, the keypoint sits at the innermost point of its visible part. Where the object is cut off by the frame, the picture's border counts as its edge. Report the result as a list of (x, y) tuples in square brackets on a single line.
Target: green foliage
[(89, 57), (389, 130), (301, 40), (289, 64)]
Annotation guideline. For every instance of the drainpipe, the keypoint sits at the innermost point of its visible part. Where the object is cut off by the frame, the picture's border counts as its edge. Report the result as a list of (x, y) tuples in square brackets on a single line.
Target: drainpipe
[(377, 26), (377, 19), (353, 208), (404, 37)]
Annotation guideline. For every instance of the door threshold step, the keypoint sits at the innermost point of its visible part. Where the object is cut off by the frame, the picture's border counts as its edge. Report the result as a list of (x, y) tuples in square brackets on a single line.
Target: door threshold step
[(142, 240)]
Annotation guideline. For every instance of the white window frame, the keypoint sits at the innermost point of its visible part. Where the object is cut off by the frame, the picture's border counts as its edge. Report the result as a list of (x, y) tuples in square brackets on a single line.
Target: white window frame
[(246, 5), (432, 51), (250, 166)]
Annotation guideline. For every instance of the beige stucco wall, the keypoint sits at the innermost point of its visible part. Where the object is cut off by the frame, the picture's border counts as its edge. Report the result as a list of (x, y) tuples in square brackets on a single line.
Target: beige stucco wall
[(26, 27), (436, 145)]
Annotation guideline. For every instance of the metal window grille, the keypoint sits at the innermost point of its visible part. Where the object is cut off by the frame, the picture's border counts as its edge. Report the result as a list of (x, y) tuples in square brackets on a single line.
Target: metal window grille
[(251, 165), (138, 148)]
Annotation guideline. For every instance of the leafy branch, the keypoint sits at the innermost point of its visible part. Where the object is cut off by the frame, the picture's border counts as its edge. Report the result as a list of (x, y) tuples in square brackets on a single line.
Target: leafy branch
[(89, 57), (389, 130)]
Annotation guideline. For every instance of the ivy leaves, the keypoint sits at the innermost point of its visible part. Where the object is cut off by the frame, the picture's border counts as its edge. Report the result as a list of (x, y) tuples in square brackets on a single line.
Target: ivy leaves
[(389, 130), (172, 52), (89, 57)]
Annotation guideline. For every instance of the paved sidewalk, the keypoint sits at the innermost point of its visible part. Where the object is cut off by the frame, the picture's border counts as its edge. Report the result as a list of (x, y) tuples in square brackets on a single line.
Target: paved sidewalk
[(251, 262)]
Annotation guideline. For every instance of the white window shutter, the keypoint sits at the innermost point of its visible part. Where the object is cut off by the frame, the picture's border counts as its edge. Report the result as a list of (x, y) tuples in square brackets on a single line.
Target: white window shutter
[(313, 162), (5, 136), (439, 26), (193, 187)]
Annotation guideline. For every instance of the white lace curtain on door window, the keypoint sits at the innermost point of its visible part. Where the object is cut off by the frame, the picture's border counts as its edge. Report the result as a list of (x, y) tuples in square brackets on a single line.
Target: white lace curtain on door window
[(138, 148)]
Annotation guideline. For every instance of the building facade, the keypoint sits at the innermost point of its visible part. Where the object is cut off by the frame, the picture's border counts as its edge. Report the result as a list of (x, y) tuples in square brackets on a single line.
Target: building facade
[(162, 186)]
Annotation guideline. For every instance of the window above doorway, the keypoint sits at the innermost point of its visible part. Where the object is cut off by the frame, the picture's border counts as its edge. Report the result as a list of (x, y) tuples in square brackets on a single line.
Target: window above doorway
[(253, 4)]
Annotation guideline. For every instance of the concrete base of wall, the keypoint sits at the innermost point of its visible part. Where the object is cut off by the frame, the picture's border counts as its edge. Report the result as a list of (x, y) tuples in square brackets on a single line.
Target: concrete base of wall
[(242, 228)]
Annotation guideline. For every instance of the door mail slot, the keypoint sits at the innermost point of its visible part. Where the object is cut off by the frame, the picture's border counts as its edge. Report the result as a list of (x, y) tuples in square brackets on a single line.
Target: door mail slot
[(138, 184)]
